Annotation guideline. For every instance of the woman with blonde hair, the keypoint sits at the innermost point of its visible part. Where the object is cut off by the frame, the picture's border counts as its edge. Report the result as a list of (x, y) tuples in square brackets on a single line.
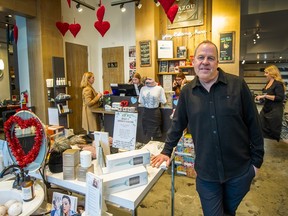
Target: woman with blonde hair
[(91, 100), (273, 107)]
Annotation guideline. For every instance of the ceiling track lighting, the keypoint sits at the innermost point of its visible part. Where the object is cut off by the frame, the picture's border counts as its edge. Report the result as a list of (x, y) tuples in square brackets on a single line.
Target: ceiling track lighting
[(122, 8), (138, 4), (157, 3), (83, 4), (79, 8), (113, 3)]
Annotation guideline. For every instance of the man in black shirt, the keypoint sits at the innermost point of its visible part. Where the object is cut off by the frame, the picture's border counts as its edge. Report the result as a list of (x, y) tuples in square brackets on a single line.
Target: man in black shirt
[(219, 112)]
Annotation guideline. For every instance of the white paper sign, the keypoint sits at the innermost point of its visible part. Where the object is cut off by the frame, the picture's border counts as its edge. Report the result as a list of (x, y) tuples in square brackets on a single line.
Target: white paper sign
[(125, 127), (165, 49), (94, 195), (167, 82)]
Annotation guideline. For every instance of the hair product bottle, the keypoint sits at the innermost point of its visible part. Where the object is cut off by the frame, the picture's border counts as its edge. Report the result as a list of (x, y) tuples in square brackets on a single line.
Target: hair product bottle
[(27, 188)]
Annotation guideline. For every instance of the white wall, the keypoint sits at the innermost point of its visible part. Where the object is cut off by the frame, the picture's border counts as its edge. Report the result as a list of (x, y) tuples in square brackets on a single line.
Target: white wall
[(121, 33)]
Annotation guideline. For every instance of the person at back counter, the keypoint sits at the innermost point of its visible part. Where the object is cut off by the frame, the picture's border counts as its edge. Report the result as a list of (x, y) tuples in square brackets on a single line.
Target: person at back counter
[(136, 79), (91, 100), (219, 112), (178, 83)]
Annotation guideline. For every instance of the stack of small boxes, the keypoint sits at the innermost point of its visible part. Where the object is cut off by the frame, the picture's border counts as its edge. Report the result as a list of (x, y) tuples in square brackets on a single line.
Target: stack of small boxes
[(84, 166), (71, 158), (185, 156)]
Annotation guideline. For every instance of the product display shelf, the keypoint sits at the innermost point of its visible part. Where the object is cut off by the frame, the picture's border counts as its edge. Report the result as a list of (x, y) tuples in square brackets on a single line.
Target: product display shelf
[(59, 87), (170, 67), (185, 156)]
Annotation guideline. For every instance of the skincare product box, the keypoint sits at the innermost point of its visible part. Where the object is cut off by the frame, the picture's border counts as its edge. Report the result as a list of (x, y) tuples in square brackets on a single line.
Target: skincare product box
[(81, 172), (69, 172), (116, 104), (125, 179), (71, 157), (125, 160)]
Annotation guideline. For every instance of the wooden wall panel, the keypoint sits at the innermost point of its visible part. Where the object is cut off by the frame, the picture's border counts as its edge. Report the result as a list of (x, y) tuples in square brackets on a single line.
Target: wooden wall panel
[(26, 8), (44, 41), (151, 24)]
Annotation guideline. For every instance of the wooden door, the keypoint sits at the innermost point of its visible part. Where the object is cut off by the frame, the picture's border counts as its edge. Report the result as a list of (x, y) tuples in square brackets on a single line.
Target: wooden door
[(76, 65), (113, 66)]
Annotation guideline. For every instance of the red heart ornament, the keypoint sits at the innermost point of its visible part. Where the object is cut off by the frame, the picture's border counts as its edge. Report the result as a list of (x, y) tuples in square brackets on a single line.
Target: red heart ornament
[(69, 3), (100, 13), (14, 144), (74, 29), (102, 27), (166, 4), (172, 12), (62, 27), (15, 33)]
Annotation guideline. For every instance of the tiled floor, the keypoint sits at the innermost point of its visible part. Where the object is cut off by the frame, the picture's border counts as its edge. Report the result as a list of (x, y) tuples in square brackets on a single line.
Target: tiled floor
[(268, 195)]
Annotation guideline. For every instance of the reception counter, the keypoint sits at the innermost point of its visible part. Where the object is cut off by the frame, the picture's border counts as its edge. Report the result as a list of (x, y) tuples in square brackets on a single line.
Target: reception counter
[(109, 117)]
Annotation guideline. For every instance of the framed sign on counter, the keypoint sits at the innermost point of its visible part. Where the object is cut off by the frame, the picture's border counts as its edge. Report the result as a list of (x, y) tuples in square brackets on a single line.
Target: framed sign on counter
[(145, 53), (124, 132), (227, 48)]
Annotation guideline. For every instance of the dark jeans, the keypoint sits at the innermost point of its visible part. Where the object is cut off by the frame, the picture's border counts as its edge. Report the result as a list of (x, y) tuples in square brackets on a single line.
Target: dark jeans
[(218, 199)]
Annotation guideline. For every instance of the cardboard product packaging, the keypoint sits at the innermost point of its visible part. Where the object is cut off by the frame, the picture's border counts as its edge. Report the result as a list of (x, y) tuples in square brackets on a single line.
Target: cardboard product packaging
[(81, 172), (125, 179), (125, 160), (71, 157), (69, 172)]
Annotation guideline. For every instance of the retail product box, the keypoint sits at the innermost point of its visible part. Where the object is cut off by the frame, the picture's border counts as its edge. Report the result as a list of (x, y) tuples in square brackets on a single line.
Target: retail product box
[(71, 157), (69, 172), (125, 160), (125, 179), (54, 129), (81, 172)]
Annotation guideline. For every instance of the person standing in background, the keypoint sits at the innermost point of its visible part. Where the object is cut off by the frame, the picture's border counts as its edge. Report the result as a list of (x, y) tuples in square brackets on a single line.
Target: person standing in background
[(273, 95), (136, 79), (178, 83), (218, 110), (91, 100)]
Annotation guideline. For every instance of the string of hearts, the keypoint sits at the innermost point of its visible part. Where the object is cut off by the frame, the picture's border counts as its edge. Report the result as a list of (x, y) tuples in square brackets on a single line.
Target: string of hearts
[(103, 26)]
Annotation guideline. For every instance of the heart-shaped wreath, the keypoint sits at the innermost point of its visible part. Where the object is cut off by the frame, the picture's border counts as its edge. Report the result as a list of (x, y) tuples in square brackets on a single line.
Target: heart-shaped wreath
[(14, 144)]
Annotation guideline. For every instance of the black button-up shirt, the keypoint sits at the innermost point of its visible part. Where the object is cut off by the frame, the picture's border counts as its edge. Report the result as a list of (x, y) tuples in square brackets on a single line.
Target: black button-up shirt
[(224, 124)]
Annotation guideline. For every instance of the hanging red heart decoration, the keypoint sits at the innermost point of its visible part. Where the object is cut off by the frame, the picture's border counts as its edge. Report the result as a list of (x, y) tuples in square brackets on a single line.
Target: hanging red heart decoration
[(166, 4), (100, 13), (74, 29), (63, 27), (69, 3), (172, 12), (15, 33), (102, 27)]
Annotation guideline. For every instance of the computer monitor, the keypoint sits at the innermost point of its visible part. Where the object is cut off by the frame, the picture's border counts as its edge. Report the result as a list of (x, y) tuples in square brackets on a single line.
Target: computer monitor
[(124, 89)]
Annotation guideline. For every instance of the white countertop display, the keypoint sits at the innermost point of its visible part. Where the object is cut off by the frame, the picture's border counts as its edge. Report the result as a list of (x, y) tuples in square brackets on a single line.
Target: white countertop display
[(128, 199), (8, 193)]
